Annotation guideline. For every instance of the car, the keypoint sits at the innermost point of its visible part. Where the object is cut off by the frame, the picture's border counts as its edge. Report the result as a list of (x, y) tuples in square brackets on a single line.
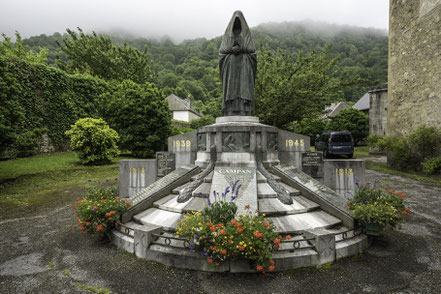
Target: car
[(335, 143)]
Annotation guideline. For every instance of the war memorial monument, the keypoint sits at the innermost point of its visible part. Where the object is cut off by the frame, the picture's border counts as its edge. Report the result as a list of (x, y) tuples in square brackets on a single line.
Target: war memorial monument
[(267, 162)]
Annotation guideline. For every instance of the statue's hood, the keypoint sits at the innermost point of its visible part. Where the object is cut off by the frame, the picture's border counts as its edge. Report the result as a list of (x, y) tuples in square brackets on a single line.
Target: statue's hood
[(237, 33)]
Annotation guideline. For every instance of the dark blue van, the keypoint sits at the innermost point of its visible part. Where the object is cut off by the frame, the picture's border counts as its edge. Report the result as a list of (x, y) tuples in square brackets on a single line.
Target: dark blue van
[(335, 143)]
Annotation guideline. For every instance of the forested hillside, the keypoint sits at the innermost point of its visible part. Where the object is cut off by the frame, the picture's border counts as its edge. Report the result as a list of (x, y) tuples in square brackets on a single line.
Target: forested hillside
[(191, 66)]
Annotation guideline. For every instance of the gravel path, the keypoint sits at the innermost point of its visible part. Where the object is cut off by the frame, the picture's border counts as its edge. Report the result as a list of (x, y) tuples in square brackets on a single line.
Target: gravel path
[(40, 254)]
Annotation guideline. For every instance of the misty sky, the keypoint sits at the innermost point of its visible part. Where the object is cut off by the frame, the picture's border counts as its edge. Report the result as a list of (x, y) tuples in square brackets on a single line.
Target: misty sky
[(179, 19)]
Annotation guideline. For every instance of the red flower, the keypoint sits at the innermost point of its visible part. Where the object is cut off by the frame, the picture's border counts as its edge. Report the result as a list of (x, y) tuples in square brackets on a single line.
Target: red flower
[(258, 234), (213, 229), (74, 206), (209, 225), (288, 237), (271, 262), (108, 214), (109, 218), (219, 225), (213, 248), (240, 230), (99, 227), (87, 224), (118, 198), (276, 246), (271, 268), (276, 241), (259, 268), (266, 224), (223, 251), (399, 227), (222, 232), (82, 228), (209, 260), (241, 248), (217, 263)]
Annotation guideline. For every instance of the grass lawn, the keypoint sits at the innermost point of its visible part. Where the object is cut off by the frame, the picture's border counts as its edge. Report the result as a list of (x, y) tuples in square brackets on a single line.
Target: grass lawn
[(28, 184)]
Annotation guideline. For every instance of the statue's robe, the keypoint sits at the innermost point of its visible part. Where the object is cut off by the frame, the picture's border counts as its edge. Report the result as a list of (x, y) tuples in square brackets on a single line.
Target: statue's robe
[(238, 66)]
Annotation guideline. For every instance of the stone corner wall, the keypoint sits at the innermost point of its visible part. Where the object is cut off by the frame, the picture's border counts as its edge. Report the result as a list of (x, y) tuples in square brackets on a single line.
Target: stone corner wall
[(378, 110), (414, 88)]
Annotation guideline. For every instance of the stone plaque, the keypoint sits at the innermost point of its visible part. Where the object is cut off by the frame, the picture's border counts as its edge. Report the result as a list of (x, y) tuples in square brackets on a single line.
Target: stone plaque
[(235, 142), (312, 164), (272, 143), (135, 175), (202, 142), (165, 163)]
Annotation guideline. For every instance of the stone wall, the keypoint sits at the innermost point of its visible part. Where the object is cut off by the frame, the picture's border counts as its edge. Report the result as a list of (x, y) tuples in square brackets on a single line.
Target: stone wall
[(414, 90), (378, 110)]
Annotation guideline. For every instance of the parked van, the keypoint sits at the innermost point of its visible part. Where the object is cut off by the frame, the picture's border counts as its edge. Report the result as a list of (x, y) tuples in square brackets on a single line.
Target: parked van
[(335, 143)]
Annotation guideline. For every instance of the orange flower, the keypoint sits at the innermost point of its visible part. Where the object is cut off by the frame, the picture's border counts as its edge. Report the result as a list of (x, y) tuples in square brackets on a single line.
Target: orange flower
[(219, 225), (271, 268), (78, 198), (222, 232), (112, 212), (403, 196), (231, 241), (276, 246), (266, 224), (75, 213), (217, 263), (400, 192), (213, 248), (209, 225), (233, 222), (99, 227), (258, 234), (276, 241), (271, 262), (241, 248), (240, 230), (82, 228), (81, 201), (259, 268), (108, 214), (109, 218), (209, 260), (223, 251), (213, 229), (288, 237), (87, 224), (74, 206), (118, 198)]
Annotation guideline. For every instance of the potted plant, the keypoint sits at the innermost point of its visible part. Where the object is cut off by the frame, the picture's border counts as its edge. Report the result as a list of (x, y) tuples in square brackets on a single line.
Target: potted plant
[(378, 210)]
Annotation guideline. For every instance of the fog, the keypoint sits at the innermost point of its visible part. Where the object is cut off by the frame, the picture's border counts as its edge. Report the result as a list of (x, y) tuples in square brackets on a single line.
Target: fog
[(179, 20)]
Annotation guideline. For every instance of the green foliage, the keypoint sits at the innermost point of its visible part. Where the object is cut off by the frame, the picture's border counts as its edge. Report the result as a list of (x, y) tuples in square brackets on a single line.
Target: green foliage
[(371, 205), (410, 151), (99, 210), (373, 140), (289, 88), (96, 55), (140, 115), (220, 212), (432, 165), (21, 51), (311, 126), (203, 121), (27, 143), (352, 120), (93, 140)]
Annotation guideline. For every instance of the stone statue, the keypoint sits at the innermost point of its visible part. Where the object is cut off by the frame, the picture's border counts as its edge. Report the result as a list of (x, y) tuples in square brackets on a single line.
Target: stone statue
[(238, 66)]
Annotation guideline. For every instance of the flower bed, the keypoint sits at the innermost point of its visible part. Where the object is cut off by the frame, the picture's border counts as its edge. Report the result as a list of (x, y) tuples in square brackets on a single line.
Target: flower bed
[(384, 207), (217, 234), (99, 210)]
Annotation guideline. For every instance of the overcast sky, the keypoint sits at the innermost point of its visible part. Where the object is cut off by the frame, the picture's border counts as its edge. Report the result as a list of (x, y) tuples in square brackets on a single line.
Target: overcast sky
[(179, 19)]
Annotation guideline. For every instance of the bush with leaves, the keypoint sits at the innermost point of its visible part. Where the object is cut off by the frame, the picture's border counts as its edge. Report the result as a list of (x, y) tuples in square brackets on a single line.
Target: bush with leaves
[(93, 141), (141, 116), (432, 165), (311, 126), (352, 120)]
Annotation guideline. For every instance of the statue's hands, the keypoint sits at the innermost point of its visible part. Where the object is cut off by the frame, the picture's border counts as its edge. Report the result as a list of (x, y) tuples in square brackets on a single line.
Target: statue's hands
[(236, 49)]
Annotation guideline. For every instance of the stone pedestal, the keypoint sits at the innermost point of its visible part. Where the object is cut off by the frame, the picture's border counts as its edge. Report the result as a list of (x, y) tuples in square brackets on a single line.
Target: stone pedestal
[(341, 175), (143, 238), (135, 175), (184, 147), (324, 242)]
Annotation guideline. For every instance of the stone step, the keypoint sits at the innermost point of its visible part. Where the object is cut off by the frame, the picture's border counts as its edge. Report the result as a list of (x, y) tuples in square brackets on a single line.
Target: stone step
[(292, 191), (207, 179), (180, 188), (170, 203), (167, 219), (265, 191), (273, 206), (260, 178), (297, 223), (202, 191)]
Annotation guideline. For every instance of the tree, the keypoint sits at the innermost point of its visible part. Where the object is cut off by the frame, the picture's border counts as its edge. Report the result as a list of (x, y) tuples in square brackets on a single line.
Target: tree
[(290, 88), (140, 114), (95, 54), (312, 126), (353, 120)]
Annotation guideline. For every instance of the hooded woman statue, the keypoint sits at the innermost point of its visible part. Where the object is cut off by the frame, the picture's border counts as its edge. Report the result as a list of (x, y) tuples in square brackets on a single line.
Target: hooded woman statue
[(238, 66)]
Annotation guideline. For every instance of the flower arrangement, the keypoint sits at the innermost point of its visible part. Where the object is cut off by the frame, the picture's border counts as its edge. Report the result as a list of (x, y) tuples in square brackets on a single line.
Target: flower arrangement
[(217, 234), (384, 207), (99, 210)]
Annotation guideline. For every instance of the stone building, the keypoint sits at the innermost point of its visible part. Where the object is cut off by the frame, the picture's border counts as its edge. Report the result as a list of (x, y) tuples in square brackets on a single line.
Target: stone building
[(333, 109), (414, 87), (181, 109), (363, 104), (378, 110)]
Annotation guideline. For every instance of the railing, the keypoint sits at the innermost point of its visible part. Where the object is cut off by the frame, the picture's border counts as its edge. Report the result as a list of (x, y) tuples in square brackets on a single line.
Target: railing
[(167, 240), (296, 244), (125, 230), (344, 234)]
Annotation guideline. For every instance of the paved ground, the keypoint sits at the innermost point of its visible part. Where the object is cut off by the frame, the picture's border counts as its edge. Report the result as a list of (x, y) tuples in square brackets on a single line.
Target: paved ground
[(40, 254)]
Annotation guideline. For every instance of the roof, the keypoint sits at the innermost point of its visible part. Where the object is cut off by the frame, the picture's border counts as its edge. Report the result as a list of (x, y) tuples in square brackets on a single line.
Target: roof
[(333, 109), (178, 104), (363, 102)]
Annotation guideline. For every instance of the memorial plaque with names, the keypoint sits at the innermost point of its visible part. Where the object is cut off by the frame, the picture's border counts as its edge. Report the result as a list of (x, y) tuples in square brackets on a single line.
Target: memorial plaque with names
[(312, 164), (165, 163)]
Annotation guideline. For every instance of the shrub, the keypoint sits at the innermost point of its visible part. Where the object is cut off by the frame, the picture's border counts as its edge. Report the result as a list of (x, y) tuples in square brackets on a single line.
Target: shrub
[(140, 115), (432, 165), (218, 235), (371, 205), (99, 211), (312, 127), (93, 141)]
